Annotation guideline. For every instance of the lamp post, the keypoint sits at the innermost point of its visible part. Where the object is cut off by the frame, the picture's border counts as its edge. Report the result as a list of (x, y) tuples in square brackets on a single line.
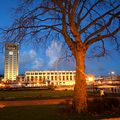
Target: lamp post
[(111, 74)]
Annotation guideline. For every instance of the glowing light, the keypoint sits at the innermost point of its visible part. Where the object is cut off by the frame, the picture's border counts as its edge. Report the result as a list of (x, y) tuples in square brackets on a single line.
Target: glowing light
[(110, 82), (19, 84), (90, 78), (99, 82), (2, 85), (70, 83), (112, 72), (38, 83)]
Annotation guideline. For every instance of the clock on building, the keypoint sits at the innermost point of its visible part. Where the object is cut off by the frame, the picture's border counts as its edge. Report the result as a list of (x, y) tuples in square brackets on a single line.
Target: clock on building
[(10, 53)]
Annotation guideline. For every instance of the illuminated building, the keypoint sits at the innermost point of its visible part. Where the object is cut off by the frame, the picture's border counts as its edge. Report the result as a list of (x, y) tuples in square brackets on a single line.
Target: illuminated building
[(57, 78), (11, 62)]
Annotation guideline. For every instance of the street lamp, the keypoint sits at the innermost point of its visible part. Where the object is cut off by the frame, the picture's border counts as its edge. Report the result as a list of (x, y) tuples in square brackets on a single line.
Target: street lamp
[(112, 74)]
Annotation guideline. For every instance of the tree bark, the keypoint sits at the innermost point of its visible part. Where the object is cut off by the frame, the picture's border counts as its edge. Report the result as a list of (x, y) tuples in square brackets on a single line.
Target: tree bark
[(80, 95)]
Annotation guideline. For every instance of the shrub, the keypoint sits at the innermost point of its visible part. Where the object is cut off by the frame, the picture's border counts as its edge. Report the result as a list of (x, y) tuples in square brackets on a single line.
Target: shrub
[(101, 106), (66, 107)]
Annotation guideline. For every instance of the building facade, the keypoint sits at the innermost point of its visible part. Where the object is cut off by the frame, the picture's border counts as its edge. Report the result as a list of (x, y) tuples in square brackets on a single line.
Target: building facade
[(11, 62), (56, 78)]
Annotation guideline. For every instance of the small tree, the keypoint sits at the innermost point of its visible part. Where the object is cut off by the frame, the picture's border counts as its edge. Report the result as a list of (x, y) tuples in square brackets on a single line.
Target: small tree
[(80, 22)]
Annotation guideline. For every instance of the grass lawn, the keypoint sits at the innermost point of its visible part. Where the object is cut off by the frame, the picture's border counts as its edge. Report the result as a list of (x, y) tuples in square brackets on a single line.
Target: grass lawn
[(42, 94), (51, 112), (39, 113), (34, 94)]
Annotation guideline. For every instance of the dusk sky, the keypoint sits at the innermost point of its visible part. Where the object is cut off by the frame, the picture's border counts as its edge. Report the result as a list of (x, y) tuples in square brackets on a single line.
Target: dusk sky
[(31, 58)]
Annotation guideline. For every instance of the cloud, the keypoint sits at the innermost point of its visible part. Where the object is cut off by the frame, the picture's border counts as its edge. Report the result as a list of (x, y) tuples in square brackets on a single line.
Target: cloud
[(32, 54), (29, 60), (54, 53), (37, 64), (27, 57)]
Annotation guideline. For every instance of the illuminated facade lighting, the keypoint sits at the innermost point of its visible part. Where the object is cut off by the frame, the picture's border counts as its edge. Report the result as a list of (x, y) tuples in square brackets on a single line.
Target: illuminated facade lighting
[(11, 62), (57, 78)]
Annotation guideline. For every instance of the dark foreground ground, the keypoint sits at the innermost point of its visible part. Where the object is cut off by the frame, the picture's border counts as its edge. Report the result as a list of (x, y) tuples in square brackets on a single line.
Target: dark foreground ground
[(46, 105), (52, 109), (45, 112)]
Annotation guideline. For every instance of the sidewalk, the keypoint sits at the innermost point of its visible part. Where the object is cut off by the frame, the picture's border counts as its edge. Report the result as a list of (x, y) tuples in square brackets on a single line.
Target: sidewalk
[(31, 102)]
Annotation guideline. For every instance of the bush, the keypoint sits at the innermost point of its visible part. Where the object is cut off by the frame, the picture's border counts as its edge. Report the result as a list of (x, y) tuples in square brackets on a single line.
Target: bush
[(66, 107), (51, 87), (101, 106)]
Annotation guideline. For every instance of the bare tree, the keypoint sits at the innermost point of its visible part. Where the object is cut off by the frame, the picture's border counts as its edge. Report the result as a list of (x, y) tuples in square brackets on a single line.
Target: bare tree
[(82, 23)]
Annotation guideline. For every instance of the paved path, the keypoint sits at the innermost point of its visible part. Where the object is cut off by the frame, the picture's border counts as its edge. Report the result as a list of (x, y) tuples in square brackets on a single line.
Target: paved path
[(35, 102), (31, 102)]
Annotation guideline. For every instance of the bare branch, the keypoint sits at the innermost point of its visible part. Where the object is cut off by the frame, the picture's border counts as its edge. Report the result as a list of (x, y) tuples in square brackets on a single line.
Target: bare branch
[(101, 28), (101, 37), (79, 13), (100, 17), (88, 12)]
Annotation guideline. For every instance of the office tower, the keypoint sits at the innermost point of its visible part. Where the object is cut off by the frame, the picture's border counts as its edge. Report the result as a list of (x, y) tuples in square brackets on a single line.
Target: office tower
[(11, 62)]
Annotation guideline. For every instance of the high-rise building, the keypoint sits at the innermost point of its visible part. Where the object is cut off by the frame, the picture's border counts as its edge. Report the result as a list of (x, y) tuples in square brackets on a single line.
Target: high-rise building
[(11, 62)]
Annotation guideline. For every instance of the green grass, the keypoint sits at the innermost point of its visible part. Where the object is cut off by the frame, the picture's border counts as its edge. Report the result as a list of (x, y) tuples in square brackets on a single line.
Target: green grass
[(43, 94), (52, 112), (40, 113), (34, 94)]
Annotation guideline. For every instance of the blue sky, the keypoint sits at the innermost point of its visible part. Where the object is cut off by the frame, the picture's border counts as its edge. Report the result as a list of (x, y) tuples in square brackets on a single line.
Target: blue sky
[(31, 58)]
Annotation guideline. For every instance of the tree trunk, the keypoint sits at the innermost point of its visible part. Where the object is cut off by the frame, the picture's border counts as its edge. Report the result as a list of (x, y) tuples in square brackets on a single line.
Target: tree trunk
[(80, 95)]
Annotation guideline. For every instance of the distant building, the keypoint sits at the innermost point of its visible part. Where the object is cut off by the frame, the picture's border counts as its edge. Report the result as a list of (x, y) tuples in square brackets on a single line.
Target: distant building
[(110, 84), (21, 78), (11, 62), (1, 78), (56, 78)]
